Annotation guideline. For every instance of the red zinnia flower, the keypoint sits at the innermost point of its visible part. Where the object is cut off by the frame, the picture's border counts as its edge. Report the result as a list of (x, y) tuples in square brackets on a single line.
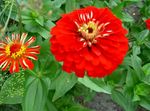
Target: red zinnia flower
[(148, 23), (89, 40), (16, 51)]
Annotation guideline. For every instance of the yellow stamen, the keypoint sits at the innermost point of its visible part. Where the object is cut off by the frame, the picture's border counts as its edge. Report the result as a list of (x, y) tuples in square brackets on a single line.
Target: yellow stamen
[(7, 50), (89, 30), (17, 54)]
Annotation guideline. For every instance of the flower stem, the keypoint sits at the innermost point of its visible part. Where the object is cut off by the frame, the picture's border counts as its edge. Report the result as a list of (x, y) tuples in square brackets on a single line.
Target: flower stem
[(9, 14), (31, 72), (3, 10), (19, 16)]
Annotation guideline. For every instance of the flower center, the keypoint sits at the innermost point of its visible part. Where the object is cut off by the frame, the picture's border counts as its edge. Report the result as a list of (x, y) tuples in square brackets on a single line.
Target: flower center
[(89, 30), (15, 50)]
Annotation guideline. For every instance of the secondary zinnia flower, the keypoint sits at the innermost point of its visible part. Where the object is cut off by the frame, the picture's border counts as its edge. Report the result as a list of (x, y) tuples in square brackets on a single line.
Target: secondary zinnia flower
[(16, 52), (148, 23), (90, 40)]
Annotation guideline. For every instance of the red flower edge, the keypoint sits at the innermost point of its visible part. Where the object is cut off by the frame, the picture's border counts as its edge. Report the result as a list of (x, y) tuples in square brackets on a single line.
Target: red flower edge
[(89, 40), (148, 23)]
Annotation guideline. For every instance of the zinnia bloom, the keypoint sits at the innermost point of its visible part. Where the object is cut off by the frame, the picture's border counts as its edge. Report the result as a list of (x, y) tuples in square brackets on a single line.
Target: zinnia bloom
[(148, 23), (90, 40), (16, 52)]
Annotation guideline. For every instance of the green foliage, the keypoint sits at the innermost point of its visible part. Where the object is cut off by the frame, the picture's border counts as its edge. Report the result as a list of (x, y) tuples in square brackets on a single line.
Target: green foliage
[(13, 89), (35, 94), (144, 102), (46, 64), (63, 85), (72, 98), (77, 108), (95, 86), (123, 101), (146, 69)]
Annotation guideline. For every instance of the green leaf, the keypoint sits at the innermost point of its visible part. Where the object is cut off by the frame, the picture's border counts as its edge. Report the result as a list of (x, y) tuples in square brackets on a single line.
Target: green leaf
[(142, 36), (78, 108), (146, 79), (147, 44), (50, 106), (112, 3), (132, 0), (127, 61), (94, 85), (56, 14), (127, 18), (84, 3), (136, 50), (117, 10), (117, 76), (36, 93), (131, 78), (142, 89), (136, 98), (146, 69), (98, 3), (45, 48), (40, 20), (63, 84), (58, 3), (36, 28), (13, 89), (46, 64), (145, 102), (119, 98), (136, 64), (70, 5), (32, 27), (43, 32), (49, 24)]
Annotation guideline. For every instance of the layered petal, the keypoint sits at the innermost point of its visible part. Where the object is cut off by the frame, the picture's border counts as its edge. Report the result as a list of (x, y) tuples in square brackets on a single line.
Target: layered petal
[(90, 40)]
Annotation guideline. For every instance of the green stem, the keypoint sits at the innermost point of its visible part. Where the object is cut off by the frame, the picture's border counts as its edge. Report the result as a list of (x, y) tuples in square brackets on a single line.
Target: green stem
[(8, 16), (4, 9), (31, 72), (20, 18)]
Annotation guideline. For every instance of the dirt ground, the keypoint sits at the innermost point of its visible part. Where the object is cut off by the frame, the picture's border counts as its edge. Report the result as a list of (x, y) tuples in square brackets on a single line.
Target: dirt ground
[(103, 102)]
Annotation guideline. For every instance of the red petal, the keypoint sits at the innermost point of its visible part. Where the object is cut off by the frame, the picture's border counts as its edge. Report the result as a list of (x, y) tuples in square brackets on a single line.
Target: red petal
[(30, 41), (26, 63), (31, 56), (96, 51), (2, 60), (23, 37), (14, 67), (33, 50), (5, 65), (80, 73)]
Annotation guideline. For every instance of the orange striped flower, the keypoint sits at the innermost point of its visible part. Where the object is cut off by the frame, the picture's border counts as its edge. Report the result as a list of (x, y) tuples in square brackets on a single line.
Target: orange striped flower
[(15, 52)]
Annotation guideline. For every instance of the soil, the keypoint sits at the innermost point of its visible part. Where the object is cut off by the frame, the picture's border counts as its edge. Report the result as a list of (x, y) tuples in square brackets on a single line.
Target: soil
[(101, 102)]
